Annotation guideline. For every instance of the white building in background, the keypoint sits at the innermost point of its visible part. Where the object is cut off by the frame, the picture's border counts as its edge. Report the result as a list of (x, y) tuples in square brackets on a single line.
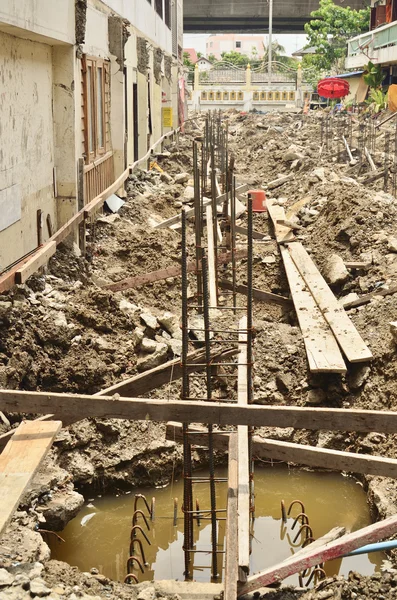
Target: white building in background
[(249, 45), (84, 83)]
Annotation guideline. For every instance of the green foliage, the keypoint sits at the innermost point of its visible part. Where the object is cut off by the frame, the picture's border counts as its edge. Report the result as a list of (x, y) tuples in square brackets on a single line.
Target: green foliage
[(329, 29), (235, 58), (186, 60), (212, 58), (373, 76), (377, 100)]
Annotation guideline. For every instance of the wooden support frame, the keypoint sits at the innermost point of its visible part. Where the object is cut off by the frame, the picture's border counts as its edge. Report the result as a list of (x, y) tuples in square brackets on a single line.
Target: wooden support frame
[(81, 406), (342, 327), (243, 489), (340, 547), (19, 462), (298, 454), (231, 561), (259, 295)]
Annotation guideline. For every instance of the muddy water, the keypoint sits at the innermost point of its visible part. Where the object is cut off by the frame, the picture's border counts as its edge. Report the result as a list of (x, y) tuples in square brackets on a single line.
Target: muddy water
[(100, 535)]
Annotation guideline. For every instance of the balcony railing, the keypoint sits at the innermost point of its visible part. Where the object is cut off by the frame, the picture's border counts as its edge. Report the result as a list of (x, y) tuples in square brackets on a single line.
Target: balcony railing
[(369, 44)]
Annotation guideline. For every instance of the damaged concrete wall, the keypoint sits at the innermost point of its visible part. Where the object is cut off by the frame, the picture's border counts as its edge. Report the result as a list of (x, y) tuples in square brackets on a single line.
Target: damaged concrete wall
[(142, 51), (80, 20), (157, 65), (27, 146), (46, 18)]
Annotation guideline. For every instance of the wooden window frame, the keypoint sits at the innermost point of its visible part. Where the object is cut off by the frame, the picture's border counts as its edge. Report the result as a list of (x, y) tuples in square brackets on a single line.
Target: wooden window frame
[(263, 96), (91, 117), (256, 96)]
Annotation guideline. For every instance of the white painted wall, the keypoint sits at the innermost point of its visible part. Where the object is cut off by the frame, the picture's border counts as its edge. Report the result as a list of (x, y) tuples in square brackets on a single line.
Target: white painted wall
[(27, 142), (53, 19), (143, 16), (96, 37)]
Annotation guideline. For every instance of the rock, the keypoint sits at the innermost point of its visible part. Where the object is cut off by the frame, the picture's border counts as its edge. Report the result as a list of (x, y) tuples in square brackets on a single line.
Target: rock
[(61, 509), (5, 307), (175, 346), (393, 330), (319, 174), (79, 466), (270, 259), (188, 194), (39, 588), (182, 178), (128, 307), (334, 270), (148, 593), (148, 346), (137, 336), (284, 382), (293, 154), (60, 320), (316, 396), (76, 250), (149, 320), (358, 376), (36, 570), (153, 360), (170, 323), (165, 177), (333, 177), (392, 244), (102, 345), (349, 298), (22, 580), (6, 578)]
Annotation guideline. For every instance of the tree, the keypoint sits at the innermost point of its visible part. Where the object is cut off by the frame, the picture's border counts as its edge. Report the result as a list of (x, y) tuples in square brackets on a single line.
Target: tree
[(328, 31), (186, 60), (212, 58), (235, 58)]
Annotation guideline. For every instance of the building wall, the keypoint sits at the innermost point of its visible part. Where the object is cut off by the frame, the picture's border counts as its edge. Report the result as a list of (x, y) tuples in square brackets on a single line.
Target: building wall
[(27, 147), (216, 44), (38, 19)]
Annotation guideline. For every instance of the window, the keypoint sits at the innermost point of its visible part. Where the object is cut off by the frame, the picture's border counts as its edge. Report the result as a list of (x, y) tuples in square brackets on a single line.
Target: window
[(96, 90), (284, 96), (226, 95), (270, 96), (219, 95), (292, 96), (167, 13), (263, 95), (256, 96), (211, 96), (238, 44), (203, 95), (232, 95), (159, 7), (240, 96), (277, 95)]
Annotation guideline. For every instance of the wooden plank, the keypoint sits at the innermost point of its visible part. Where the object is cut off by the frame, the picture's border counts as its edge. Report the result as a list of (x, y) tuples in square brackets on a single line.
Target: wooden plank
[(81, 406), (260, 295), (190, 211), (277, 213), (322, 350), (35, 262), (19, 462), (298, 454), (231, 559), (132, 282), (343, 329), (256, 235), (368, 297), (280, 181), (244, 528), (211, 258), (344, 545), (334, 534), (293, 210)]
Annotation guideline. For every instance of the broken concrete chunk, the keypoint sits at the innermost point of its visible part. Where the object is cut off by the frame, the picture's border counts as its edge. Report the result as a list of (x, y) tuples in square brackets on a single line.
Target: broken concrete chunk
[(5, 307), (182, 178), (149, 320), (196, 328), (137, 336), (60, 320), (5, 578), (150, 361), (188, 194), (128, 307), (175, 346), (349, 298), (148, 346), (170, 323), (316, 396), (392, 244), (39, 588), (293, 154), (358, 376), (166, 177), (270, 259), (334, 270), (393, 329), (319, 174)]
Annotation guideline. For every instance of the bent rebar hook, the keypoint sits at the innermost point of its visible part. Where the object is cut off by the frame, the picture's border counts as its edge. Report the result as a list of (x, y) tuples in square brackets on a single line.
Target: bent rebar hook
[(133, 534), (134, 518), (304, 516), (139, 542), (307, 528), (131, 559), (296, 502)]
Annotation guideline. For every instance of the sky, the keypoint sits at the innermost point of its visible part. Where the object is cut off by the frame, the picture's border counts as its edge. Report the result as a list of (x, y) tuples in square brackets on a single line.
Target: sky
[(290, 41)]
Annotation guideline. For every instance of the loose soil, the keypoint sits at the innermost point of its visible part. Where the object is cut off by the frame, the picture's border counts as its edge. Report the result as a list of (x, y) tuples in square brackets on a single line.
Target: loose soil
[(63, 332)]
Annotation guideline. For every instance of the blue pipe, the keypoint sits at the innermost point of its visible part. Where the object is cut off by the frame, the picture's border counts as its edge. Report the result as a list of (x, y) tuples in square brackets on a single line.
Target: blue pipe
[(379, 546)]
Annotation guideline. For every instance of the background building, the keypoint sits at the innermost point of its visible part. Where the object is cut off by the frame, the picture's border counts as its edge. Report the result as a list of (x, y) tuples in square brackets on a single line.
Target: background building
[(251, 45)]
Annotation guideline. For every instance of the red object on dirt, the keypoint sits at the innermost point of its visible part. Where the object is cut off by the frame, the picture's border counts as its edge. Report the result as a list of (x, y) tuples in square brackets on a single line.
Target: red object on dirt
[(333, 87), (258, 200)]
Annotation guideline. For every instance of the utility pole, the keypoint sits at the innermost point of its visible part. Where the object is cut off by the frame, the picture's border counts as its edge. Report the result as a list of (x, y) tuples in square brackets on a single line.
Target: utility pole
[(269, 50)]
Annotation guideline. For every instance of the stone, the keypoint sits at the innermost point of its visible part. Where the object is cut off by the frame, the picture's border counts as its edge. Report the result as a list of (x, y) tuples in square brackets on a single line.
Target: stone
[(316, 396), (36, 570), (102, 345), (61, 509), (319, 174), (76, 250), (137, 336), (333, 177), (22, 580), (270, 259), (128, 307), (334, 270), (5, 307), (165, 177), (148, 593), (393, 330), (170, 323), (6, 578), (182, 178), (79, 466), (284, 382), (148, 346), (293, 154), (392, 244), (150, 361), (188, 194), (39, 588), (149, 320), (175, 346), (349, 298), (60, 320), (357, 376)]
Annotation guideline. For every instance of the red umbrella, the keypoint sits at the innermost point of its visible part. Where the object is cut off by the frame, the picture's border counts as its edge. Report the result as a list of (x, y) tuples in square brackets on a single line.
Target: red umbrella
[(333, 87)]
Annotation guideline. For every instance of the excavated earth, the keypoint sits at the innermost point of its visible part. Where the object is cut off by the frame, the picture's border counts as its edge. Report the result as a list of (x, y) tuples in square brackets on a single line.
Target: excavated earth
[(63, 332)]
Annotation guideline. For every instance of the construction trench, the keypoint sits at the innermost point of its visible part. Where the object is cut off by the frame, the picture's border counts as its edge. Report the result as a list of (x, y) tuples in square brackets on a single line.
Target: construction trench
[(257, 373)]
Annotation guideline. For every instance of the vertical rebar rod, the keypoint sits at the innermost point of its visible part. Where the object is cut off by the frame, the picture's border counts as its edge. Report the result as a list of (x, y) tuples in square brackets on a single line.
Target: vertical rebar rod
[(387, 151), (215, 574), (197, 224), (187, 459), (250, 391), (233, 239)]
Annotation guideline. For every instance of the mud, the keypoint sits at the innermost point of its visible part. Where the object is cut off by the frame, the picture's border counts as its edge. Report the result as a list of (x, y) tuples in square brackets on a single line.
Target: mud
[(62, 332)]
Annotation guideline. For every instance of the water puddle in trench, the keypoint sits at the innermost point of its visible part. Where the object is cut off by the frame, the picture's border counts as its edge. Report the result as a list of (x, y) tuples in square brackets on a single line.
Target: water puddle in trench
[(100, 535)]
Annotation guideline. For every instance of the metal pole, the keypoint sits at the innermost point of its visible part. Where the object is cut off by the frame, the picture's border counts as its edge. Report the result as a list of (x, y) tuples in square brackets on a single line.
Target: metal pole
[(270, 40)]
